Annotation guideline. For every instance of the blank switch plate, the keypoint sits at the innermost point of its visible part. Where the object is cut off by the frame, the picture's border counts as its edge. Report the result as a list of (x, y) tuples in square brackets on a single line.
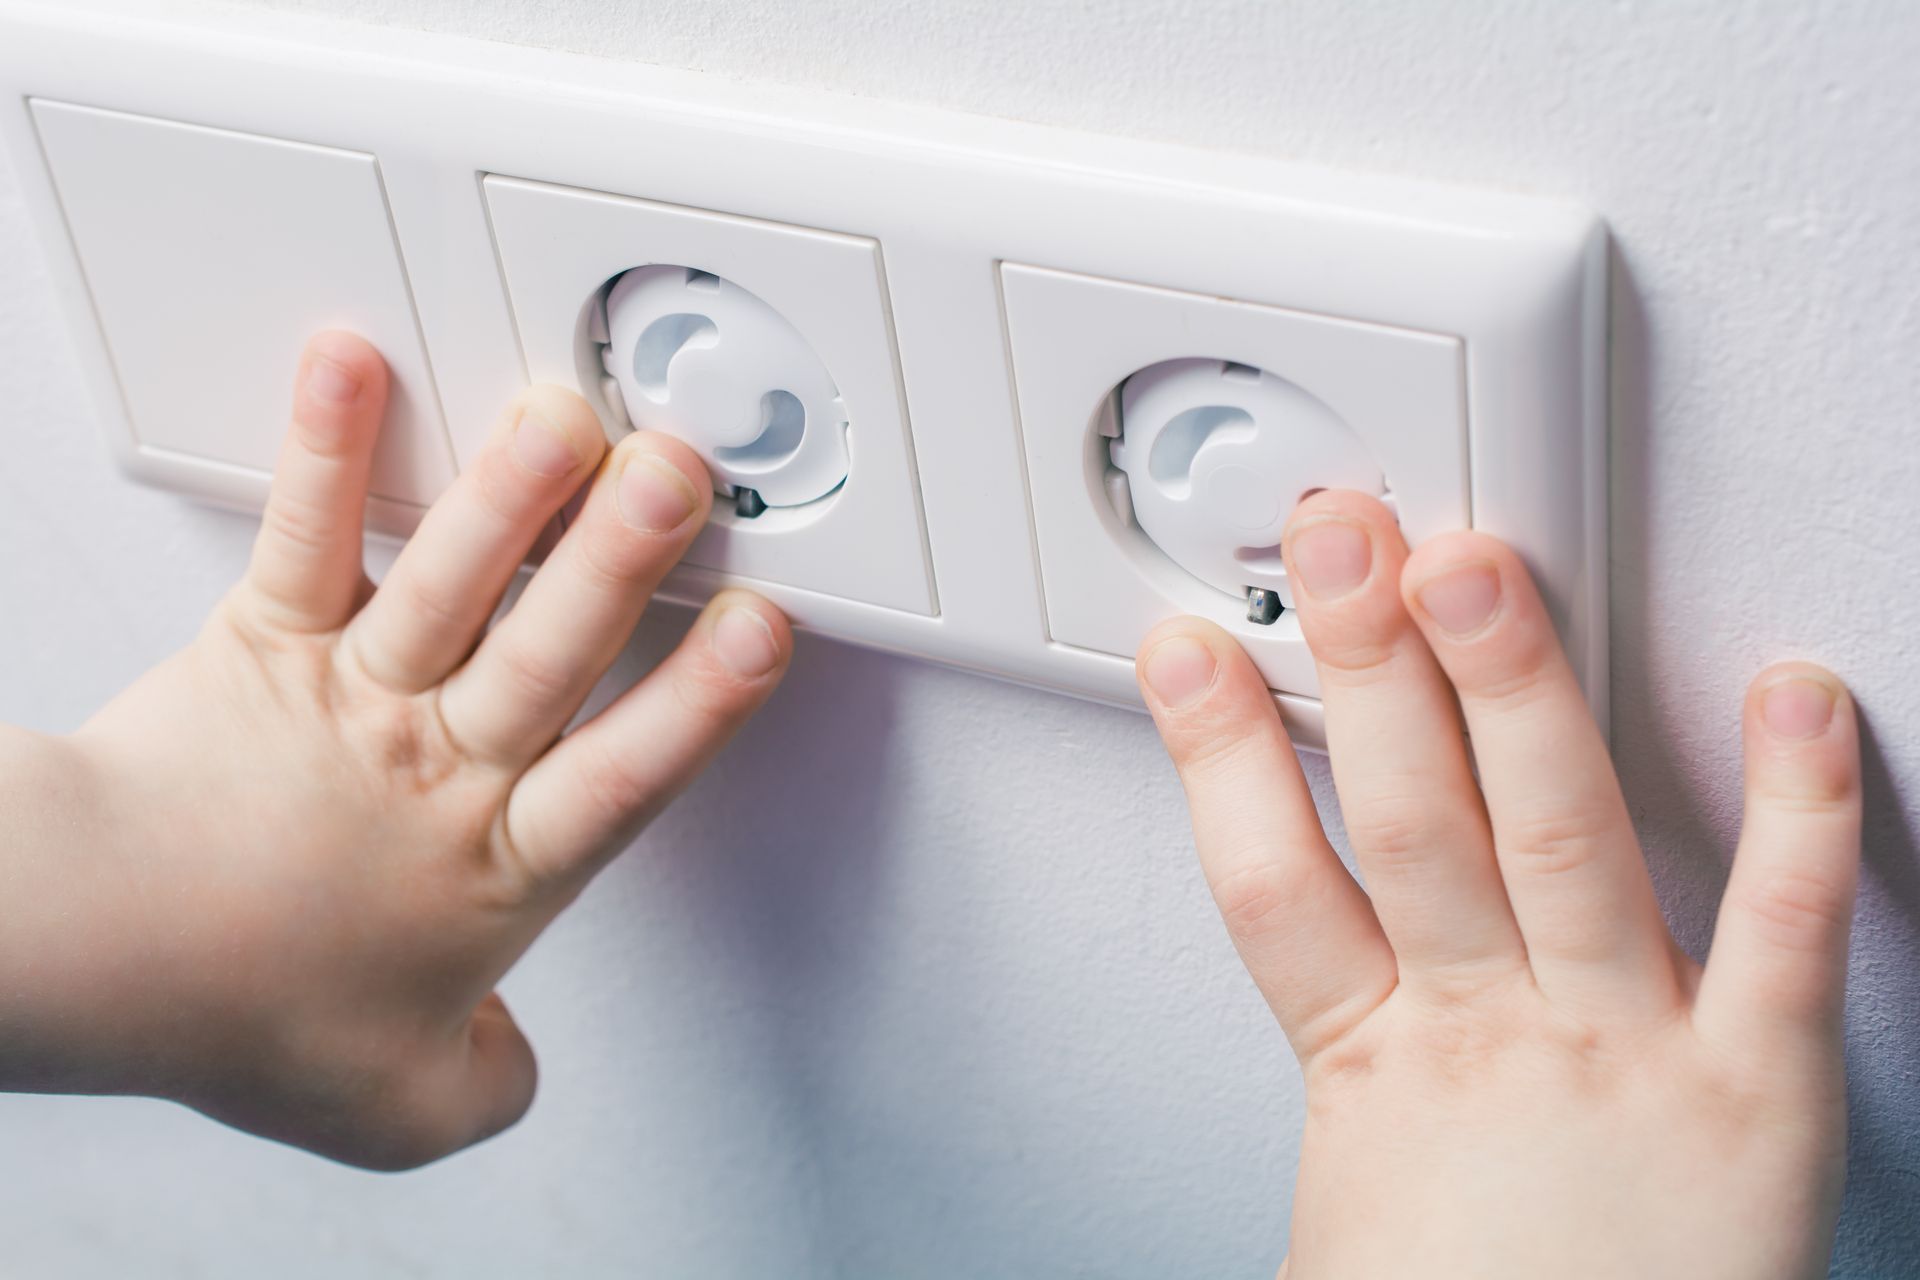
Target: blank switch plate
[(975, 287), (207, 254)]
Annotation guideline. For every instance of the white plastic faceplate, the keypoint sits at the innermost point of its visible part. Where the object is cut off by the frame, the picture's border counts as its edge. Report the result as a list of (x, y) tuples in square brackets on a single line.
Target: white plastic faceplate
[(976, 288)]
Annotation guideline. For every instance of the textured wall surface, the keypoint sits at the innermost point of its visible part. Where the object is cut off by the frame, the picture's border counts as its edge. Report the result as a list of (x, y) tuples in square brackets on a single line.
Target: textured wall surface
[(921, 980)]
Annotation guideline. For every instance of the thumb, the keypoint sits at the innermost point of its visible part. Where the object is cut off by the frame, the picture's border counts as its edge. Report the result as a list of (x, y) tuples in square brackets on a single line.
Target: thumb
[(494, 1075)]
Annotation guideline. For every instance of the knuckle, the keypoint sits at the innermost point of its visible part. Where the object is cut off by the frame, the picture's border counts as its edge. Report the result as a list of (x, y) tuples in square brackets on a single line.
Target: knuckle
[(300, 525), (1557, 842), (517, 869), (1339, 1064), (327, 433), (534, 675), (1817, 787), (1255, 900), (1390, 828), (616, 791), (425, 603), (1798, 909), (708, 692), (614, 558), (1214, 747), (502, 491), (1509, 680), (1357, 659)]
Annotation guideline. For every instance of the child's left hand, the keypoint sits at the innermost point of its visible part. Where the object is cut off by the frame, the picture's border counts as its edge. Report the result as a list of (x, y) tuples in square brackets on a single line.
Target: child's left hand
[(278, 878)]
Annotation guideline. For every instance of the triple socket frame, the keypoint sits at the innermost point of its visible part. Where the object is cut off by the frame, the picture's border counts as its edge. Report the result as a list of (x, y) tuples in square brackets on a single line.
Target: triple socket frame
[(1515, 286)]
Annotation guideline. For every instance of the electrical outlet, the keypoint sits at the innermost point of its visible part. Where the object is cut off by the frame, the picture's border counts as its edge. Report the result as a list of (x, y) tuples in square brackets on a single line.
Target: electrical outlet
[(1209, 457), (972, 390), (1168, 436), (765, 346), (702, 359)]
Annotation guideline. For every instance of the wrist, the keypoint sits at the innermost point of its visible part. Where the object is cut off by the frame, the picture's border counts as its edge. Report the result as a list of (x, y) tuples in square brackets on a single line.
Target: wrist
[(77, 960)]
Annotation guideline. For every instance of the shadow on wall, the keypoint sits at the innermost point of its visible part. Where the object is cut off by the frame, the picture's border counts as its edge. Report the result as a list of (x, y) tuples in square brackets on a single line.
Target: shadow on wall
[(790, 877), (1880, 1221)]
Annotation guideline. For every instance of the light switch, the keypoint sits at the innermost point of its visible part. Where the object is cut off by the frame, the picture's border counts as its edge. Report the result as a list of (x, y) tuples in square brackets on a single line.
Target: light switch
[(210, 256)]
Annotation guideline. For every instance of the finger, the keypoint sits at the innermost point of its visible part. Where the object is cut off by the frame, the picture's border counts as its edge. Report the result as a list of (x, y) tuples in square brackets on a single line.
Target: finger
[(306, 573), (501, 1071), (1777, 972), (1412, 809), (590, 795), (1566, 848), (1302, 926), (449, 579), (484, 1084), (535, 668)]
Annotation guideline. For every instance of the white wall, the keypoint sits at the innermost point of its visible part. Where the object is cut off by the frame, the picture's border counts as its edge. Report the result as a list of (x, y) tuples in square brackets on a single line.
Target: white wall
[(921, 981)]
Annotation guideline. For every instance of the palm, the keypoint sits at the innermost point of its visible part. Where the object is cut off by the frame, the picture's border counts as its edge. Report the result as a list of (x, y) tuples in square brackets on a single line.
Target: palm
[(377, 810)]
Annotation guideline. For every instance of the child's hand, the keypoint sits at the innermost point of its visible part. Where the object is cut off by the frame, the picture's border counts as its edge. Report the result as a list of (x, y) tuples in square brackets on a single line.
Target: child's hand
[(296, 857), (1511, 1069)]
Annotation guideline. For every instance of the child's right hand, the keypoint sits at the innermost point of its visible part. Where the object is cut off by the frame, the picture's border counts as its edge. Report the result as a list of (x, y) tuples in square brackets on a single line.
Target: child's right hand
[(1511, 1069), (278, 878)]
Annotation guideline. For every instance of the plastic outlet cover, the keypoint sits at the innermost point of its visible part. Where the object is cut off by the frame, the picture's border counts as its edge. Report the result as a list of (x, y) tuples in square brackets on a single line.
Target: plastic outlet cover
[(703, 360), (1215, 455), (816, 319), (1396, 394)]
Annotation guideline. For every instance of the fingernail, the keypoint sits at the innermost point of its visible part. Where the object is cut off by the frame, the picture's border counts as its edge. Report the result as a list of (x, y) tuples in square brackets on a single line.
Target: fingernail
[(543, 448), (653, 494), (1331, 557), (744, 643), (1797, 707), (1179, 670), (331, 382), (1461, 601)]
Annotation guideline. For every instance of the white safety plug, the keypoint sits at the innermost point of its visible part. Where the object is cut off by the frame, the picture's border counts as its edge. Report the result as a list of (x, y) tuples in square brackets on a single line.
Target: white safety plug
[(1212, 457), (704, 360)]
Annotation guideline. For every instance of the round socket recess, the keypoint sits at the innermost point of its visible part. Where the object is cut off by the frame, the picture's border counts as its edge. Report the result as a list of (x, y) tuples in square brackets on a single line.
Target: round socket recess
[(702, 359), (1216, 455)]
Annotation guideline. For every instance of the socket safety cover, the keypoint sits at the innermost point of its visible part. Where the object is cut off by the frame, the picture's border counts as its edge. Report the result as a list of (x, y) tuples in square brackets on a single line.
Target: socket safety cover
[(804, 307), (1397, 394), (708, 363)]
